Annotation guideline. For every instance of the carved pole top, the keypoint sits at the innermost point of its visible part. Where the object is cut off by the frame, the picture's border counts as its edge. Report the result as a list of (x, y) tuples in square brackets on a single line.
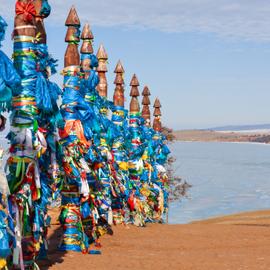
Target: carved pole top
[(119, 97), (157, 103), (87, 33), (146, 114), (72, 56), (119, 68), (134, 93), (134, 81), (73, 18), (157, 126), (146, 91), (87, 37), (101, 53)]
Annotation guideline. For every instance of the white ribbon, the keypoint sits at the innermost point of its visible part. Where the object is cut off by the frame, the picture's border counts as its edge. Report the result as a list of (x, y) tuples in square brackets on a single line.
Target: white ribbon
[(17, 252)]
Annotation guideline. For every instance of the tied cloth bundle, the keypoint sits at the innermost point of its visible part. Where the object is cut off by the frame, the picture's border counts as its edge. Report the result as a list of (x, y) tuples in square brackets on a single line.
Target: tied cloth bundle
[(99, 216), (27, 10), (119, 203), (48, 119), (105, 171), (74, 144), (26, 201), (9, 79), (160, 177), (137, 200), (153, 192)]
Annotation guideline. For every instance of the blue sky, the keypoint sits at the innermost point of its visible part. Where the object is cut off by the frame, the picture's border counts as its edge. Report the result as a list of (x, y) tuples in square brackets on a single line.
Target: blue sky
[(208, 61)]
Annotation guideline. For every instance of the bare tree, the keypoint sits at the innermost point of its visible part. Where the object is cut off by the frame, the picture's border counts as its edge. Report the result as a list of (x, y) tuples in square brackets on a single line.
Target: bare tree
[(177, 186)]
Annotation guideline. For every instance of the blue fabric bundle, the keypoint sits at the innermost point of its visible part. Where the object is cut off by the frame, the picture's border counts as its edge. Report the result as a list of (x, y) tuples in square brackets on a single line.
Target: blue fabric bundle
[(3, 26), (4, 238), (9, 79), (45, 9)]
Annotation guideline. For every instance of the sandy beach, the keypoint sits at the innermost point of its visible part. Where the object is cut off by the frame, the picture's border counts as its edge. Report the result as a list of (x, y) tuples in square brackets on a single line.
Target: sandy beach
[(233, 242), (256, 136)]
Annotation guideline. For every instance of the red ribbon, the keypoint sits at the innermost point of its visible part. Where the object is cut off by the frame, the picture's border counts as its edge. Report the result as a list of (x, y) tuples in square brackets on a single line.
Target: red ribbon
[(131, 203), (136, 141), (27, 10)]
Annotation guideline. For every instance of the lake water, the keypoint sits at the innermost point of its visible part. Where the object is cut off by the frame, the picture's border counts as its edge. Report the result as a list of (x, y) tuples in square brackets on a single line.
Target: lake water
[(226, 178)]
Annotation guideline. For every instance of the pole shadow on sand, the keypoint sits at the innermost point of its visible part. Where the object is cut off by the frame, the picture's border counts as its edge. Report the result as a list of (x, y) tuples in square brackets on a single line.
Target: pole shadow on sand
[(54, 255)]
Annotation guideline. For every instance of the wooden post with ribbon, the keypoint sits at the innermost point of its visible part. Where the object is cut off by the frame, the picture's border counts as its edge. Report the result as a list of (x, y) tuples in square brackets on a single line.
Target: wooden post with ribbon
[(102, 70), (146, 114), (157, 116), (73, 143)]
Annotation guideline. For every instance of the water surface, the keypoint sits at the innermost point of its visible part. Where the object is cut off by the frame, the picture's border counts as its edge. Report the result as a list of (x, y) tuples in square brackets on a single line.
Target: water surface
[(227, 178)]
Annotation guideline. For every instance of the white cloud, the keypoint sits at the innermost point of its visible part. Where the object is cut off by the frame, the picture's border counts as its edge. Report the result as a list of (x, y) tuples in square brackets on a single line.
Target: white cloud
[(243, 19)]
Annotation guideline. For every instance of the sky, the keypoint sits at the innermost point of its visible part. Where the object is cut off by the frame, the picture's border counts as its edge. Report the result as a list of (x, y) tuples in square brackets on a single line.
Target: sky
[(208, 61)]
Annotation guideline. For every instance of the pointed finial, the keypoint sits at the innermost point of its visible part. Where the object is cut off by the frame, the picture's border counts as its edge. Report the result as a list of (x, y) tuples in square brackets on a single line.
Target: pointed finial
[(102, 54), (102, 69), (73, 18), (146, 91), (72, 56), (102, 57), (146, 114), (157, 106), (157, 113), (134, 93), (87, 33), (157, 103), (134, 81), (87, 37), (118, 97), (73, 23), (119, 68)]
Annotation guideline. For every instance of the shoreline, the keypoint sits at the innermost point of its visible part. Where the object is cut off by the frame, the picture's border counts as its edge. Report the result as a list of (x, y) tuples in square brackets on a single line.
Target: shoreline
[(237, 241), (222, 136), (259, 216), (230, 142)]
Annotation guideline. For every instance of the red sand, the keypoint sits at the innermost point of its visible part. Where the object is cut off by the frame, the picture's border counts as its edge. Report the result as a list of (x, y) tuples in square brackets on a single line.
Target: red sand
[(236, 242)]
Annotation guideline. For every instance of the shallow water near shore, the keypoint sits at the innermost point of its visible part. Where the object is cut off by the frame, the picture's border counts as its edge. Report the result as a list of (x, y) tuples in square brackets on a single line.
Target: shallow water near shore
[(226, 178)]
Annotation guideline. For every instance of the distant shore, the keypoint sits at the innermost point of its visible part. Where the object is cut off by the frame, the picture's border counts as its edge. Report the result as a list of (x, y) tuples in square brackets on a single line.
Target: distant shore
[(232, 242), (222, 136)]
